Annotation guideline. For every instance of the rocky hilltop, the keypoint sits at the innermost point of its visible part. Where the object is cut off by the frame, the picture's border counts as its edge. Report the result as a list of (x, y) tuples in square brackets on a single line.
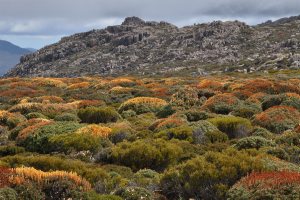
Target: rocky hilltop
[(147, 47)]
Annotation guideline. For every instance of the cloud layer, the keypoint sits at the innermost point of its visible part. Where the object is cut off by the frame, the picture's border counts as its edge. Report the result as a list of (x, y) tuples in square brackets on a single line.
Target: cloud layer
[(55, 18)]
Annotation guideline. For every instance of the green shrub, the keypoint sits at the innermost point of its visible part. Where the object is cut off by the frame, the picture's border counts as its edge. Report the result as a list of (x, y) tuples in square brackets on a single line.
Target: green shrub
[(62, 189), (128, 113), (193, 116), (8, 194), (147, 178), (289, 138), (282, 99), (181, 133), (165, 111), (279, 153), (73, 141), (292, 102), (152, 154), (200, 129), (293, 153), (246, 110), (272, 100), (29, 191), (4, 135), (67, 117), (216, 137), (10, 150), (94, 115), (33, 115), (253, 142), (234, 127), (262, 132), (40, 140), (208, 176), (119, 135)]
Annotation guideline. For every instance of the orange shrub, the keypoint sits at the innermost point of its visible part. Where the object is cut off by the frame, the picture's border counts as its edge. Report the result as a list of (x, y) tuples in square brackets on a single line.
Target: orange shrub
[(143, 104), (48, 109), (122, 82), (258, 85), (210, 84), (88, 103), (257, 97), (81, 85), (282, 87), (278, 118), (95, 130), (166, 123), (221, 103), (40, 177), (22, 92)]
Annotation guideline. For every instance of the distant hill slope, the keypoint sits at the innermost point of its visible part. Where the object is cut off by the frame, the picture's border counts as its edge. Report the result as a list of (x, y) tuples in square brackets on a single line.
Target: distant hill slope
[(140, 47), (10, 55)]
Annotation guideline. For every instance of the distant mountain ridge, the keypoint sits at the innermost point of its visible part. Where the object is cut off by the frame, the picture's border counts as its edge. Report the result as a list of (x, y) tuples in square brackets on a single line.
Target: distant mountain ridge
[(147, 47), (10, 55)]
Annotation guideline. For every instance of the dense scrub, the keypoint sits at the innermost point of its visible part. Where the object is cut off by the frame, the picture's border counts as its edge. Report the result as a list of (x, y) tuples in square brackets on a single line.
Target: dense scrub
[(145, 138)]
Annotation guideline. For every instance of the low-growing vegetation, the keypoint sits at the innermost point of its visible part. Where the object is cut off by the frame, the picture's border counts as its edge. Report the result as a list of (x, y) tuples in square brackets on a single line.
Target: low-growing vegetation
[(133, 138)]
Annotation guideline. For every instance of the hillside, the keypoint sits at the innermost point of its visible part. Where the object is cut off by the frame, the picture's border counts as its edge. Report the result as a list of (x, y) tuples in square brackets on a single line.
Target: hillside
[(216, 137), (140, 47), (10, 55)]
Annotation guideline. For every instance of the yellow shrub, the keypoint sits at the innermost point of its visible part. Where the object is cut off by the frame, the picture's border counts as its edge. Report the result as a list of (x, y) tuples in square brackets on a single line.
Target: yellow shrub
[(95, 130), (25, 173), (81, 85), (120, 90), (50, 82), (122, 81), (146, 100)]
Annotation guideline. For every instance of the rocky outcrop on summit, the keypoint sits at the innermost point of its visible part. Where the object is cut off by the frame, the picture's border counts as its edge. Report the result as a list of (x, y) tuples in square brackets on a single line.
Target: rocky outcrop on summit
[(145, 47)]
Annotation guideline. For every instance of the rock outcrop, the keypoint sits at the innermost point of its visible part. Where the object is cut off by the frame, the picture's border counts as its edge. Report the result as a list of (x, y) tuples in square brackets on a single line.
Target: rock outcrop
[(145, 47)]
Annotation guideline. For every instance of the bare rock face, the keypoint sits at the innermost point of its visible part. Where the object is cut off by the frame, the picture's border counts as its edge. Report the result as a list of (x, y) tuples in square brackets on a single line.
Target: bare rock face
[(140, 47)]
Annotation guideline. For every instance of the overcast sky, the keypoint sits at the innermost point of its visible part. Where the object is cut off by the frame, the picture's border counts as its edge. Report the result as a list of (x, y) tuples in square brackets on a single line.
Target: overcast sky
[(35, 23)]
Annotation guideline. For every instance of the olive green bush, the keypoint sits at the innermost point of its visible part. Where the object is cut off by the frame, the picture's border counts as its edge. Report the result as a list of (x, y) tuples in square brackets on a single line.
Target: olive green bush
[(234, 127), (39, 141), (94, 115), (253, 142), (208, 176), (182, 133), (67, 117), (8, 194), (33, 115), (153, 154)]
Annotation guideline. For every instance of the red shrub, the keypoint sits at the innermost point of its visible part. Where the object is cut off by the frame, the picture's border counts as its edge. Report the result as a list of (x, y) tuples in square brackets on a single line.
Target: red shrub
[(270, 179), (5, 174)]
